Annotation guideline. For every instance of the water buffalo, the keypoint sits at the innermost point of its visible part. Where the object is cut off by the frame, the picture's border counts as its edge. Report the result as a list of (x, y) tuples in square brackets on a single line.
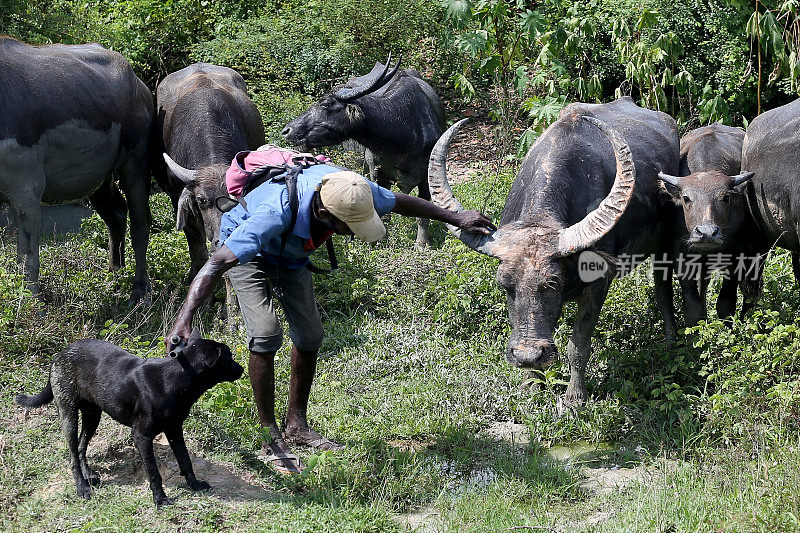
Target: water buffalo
[(71, 118), (393, 113), (770, 150), (575, 193), (710, 190), (204, 118)]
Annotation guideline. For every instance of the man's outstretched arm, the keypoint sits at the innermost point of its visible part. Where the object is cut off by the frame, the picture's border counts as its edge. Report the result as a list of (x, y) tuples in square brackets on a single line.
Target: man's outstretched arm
[(201, 288), (472, 220)]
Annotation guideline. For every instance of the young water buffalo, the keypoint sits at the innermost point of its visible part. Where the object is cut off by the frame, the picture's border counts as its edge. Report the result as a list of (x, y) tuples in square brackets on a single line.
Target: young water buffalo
[(771, 147), (394, 114), (711, 193), (72, 118), (576, 193), (204, 118)]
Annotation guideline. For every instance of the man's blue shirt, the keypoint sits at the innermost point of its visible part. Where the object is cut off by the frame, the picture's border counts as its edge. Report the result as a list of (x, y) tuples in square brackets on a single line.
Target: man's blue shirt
[(257, 230)]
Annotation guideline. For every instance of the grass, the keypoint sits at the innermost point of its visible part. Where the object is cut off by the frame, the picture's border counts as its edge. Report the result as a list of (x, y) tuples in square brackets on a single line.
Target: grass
[(411, 377)]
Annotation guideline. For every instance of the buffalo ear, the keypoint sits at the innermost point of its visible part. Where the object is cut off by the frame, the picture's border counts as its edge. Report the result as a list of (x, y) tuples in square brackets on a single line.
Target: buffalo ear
[(354, 113), (185, 203)]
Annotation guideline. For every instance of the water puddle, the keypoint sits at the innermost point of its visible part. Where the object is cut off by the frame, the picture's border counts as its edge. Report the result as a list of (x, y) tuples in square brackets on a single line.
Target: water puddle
[(581, 452), (603, 467), (424, 520)]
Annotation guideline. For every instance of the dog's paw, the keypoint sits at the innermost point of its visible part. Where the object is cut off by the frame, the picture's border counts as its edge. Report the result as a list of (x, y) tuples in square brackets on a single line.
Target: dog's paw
[(85, 491), (199, 485), (162, 500)]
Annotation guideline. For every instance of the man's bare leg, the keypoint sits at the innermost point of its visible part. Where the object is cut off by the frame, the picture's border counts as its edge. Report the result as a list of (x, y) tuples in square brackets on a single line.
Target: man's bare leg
[(262, 378), (297, 431)]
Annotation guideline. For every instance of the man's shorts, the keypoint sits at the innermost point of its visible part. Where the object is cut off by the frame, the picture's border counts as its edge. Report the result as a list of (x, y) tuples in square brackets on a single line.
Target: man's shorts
[(256, 284)]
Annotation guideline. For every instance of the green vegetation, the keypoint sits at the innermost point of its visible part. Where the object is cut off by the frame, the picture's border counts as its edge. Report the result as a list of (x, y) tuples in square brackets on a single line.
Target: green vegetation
[(702, 436), (700, 61)]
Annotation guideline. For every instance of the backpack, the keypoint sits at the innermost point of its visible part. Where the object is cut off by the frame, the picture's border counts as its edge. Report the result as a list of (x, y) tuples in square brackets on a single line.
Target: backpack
[(250, 169)]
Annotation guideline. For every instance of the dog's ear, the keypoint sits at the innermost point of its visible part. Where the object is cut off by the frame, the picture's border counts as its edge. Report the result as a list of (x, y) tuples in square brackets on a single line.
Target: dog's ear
[(194, 336), (204, 354)]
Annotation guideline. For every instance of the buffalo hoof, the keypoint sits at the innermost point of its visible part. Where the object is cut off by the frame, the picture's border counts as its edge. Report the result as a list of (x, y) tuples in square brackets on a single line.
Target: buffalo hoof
[(422, 244), (531, 382), (574, 398), (141, 291)]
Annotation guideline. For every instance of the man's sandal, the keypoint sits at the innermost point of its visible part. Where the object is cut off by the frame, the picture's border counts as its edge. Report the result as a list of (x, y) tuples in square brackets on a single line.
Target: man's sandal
[(324, 444), (320, 443), (284, 463)]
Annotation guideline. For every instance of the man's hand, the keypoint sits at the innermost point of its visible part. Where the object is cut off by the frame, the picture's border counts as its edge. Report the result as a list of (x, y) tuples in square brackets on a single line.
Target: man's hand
[(474, 221), (182, 330)]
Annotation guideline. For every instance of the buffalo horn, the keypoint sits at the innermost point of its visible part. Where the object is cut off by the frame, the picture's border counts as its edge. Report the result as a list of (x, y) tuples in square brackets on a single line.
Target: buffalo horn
[(183, 174), (442, 194), (675, 181), (741, 178), (596, 224), (347, 94)]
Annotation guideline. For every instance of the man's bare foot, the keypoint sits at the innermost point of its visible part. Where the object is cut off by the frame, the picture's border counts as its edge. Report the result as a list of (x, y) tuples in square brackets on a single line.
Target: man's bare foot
[(305, 436)]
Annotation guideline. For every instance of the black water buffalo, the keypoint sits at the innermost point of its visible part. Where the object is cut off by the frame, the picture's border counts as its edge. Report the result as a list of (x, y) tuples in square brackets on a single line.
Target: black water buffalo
[(710, 190), (394, 114), (71, 118), (204, 118), (574, 193), (771, 147)]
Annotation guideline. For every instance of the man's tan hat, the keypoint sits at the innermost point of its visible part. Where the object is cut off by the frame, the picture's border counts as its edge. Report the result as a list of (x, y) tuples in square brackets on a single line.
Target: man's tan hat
[(348, 197)]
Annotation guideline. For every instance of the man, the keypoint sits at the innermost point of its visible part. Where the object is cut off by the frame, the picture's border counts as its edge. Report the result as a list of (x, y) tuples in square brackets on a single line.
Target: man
[(267, 259)]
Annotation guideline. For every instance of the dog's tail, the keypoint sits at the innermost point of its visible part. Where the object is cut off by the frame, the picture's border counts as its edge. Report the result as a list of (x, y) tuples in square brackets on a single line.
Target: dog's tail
[(43, 398)]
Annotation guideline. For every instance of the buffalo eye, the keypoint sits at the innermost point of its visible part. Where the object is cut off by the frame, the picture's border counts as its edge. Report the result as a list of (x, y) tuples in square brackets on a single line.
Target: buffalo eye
[(726, 198), (687, 200), (202, 201)]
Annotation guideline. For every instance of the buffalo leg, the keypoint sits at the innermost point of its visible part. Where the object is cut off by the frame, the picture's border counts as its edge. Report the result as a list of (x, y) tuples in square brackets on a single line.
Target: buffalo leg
[(662, 281), (112, 208), (579, 347), (796, 266), (28, 215), (726, 300), (751, 287), (136, 185), (196, 239), (231, 302), (694, 304), (423, 236)]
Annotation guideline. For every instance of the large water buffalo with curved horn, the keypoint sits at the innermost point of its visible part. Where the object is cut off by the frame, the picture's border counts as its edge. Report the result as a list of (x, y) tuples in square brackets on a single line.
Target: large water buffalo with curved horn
[(576, 192), (710, 190), (72, 118), (394, 114), (204, 119)]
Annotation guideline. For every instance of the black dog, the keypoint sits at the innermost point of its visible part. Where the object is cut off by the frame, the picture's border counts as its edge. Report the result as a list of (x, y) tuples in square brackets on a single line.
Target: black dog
[(148, 395)]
